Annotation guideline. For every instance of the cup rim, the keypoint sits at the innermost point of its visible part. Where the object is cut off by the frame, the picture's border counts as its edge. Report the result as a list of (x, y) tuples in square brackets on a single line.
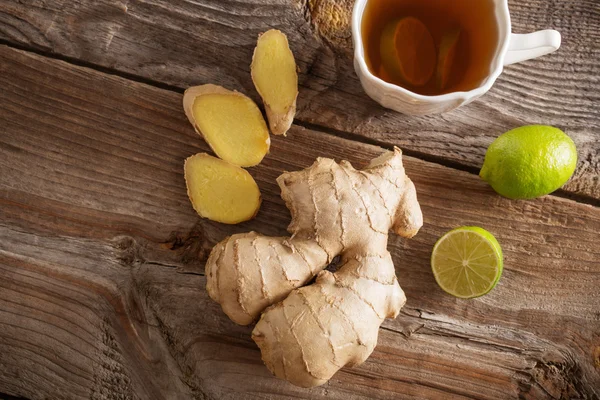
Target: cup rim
[(502, 18)]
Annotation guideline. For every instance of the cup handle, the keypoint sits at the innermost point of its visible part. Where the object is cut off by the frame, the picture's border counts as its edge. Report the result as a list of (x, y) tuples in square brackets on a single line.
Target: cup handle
[(531, 45)]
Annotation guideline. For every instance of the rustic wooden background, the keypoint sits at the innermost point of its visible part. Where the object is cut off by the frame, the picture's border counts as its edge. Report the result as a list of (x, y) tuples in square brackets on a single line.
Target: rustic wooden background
[(102, 257)]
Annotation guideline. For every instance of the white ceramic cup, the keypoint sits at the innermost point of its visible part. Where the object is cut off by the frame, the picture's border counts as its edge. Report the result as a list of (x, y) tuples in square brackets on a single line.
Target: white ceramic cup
[(511, 48)]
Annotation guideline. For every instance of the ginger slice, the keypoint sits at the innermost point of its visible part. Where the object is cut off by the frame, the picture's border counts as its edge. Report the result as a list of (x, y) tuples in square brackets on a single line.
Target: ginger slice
[(230, 122), (276, 80), (221, 191)]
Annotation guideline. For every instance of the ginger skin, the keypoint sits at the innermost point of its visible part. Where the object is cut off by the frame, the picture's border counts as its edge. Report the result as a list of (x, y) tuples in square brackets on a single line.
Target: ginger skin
[(308, 333)]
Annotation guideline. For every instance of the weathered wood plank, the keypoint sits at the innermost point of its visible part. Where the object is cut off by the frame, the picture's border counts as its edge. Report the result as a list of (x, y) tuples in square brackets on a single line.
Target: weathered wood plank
[(101, 257), (183, 43)]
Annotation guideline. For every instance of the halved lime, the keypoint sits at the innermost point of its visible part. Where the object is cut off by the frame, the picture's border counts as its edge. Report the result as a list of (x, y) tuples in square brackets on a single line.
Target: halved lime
[(467, 262)]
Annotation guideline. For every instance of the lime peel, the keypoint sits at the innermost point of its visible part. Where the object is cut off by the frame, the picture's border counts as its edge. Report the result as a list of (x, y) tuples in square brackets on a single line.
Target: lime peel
[(529, 162)]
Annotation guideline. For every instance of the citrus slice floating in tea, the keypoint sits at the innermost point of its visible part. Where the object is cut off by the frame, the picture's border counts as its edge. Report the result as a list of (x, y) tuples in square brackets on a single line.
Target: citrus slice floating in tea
[(408, 51), (446, 55), (383, 74)]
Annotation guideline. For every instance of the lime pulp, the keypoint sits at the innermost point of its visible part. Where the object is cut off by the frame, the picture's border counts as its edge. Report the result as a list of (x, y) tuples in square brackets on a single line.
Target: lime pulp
[(467, 262)]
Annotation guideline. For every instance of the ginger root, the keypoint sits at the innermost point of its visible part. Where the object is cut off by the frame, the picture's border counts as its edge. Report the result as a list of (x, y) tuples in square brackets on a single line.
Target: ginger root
[(230, 122), (221, 191), (274, 75), (308, 333)]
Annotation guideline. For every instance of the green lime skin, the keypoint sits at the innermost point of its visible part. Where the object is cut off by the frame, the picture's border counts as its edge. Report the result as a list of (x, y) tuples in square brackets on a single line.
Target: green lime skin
[(529, 162)]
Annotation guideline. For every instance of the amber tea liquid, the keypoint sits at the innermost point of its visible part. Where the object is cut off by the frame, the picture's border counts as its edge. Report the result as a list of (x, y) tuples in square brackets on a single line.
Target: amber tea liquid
[(474, 49)]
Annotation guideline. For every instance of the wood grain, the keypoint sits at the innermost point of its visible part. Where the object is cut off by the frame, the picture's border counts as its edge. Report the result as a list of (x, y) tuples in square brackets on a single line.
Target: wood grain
[(101, 258), (184, 43)]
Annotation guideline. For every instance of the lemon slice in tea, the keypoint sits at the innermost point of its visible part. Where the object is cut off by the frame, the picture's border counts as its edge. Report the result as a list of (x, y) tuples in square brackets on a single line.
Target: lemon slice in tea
[(408, 51), (467, 262), (446, 56), (383, 74)]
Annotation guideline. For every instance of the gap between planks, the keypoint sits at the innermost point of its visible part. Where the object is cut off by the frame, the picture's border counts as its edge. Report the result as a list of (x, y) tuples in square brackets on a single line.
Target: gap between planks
[(5, 396), (579, 198)]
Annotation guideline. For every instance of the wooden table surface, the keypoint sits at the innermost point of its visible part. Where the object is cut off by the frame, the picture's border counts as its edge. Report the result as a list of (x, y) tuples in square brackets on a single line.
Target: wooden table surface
[(102, 256)]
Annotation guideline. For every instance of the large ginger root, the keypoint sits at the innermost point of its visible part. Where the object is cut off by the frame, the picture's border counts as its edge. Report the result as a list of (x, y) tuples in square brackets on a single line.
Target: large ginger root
[(221, 191), (276, 80), (230, 122), (310, 332)]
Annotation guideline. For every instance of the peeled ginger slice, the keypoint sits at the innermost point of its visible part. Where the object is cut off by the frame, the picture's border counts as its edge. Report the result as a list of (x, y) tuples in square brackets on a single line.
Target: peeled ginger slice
[(274, 75), (221, 191), (230, 122)]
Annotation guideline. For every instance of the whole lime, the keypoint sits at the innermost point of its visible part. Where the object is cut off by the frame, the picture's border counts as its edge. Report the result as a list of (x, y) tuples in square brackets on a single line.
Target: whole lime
[(529, 162)]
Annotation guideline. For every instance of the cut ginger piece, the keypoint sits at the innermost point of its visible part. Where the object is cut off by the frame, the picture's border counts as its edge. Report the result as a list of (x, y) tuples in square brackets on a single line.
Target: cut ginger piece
[(230, 122), (276, 80), (221, 191)]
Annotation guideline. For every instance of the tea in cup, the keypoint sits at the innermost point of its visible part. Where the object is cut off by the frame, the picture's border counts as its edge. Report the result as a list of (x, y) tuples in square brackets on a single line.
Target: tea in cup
[(431, 56)]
